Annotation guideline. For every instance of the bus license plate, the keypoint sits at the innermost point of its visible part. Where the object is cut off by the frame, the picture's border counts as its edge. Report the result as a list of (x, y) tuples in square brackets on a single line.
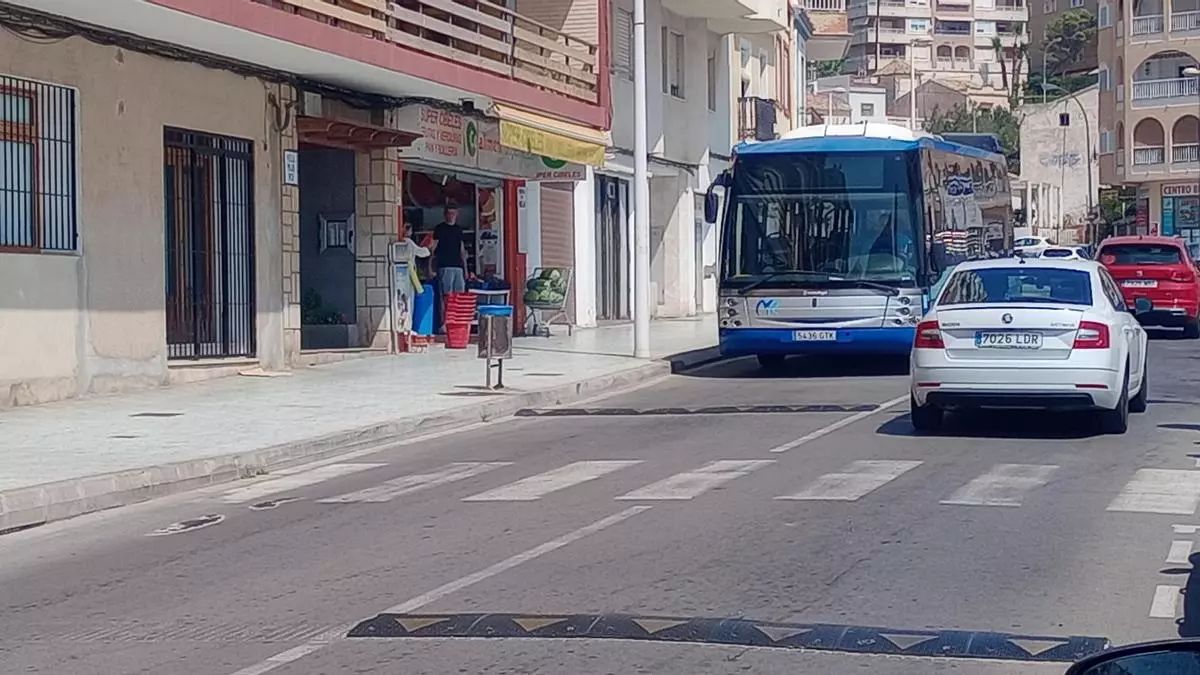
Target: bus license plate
[(1008, 340), (815, 336), (1140, 283)]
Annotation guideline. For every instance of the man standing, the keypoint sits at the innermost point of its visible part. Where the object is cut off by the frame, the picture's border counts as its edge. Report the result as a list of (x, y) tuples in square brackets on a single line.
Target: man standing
[(450, 255)]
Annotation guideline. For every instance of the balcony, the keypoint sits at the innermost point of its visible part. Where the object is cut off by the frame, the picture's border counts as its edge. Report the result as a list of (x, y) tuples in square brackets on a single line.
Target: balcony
[(1185, 153), (887, 34), (734, 16), (1185, 22), (1172, 90), (756, 118), (824, 5), (446, 49), (1014, 11), (888, 8), (1147, 25), (1148, 156)]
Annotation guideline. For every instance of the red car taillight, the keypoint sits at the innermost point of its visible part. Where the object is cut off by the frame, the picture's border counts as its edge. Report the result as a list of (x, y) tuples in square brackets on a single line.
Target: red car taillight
[(929, 336), (1092, 335), (1183, 276)]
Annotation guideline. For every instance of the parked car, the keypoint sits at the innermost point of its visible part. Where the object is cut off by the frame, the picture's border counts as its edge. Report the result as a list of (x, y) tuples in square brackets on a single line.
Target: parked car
[(1029, 334), (1161, 270)]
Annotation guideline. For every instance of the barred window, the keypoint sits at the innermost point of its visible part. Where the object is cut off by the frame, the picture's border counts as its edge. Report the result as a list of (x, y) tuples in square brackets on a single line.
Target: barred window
[(37, 166)]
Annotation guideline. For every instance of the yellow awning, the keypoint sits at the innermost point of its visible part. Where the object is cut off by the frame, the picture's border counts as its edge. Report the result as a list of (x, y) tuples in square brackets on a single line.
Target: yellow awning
[(540, 135)]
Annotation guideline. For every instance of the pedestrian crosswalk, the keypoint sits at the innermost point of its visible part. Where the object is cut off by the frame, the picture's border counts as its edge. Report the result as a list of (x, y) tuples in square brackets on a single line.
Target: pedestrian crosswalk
[(1161, 491), (856, 481)]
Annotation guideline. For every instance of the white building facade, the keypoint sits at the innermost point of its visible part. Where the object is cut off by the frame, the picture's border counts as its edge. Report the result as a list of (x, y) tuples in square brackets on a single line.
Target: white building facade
[(716, 71)]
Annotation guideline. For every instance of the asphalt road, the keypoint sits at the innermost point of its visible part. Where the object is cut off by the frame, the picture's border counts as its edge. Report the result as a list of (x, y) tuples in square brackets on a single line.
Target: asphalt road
[(720, 521)]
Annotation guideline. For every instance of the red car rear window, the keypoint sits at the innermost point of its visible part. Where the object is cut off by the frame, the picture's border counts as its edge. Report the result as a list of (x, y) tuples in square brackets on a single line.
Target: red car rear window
[(1140, 254)]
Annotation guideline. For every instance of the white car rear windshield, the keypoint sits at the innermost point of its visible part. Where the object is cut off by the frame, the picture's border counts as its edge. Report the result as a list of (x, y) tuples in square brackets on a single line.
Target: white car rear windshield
[(1018, 284), (1140, 254)]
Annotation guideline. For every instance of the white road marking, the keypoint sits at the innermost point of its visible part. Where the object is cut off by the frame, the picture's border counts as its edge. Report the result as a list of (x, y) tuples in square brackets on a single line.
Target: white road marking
[(1003, 485), (689, 484), (320, 474), (535, 487), (1180, 552), (845, 421), (1185, 529), (855, 481), (1160, 491), (404, 485), (1166, 602), (337, 633)]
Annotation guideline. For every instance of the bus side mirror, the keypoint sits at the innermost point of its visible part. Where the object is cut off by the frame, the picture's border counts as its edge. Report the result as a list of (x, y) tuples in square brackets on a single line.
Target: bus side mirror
[(711, 207)]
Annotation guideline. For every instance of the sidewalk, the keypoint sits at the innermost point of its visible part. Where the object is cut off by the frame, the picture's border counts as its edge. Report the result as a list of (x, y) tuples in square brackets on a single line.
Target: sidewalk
[(137, 446)]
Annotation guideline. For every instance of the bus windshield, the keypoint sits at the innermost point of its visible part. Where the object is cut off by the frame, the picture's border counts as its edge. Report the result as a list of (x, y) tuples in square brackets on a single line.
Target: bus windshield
[(823, 219)]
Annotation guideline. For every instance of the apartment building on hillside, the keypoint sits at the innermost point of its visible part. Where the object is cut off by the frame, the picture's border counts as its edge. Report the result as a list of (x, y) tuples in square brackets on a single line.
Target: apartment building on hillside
[(943, 39), (1149, 103)]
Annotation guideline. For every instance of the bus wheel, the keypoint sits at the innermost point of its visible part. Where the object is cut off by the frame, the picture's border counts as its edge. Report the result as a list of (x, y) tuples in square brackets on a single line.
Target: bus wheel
[(771, 361)]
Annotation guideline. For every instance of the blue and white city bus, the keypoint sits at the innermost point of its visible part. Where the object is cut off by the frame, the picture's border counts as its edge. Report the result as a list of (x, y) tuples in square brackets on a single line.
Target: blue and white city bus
[(833, 236)]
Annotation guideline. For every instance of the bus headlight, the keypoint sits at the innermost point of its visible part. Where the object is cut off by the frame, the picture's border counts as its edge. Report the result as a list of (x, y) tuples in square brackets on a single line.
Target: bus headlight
[(731, 302), (903, 311), (904, 300), (731, 312)]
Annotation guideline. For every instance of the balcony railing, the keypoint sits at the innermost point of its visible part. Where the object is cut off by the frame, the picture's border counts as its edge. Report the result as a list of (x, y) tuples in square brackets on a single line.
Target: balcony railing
[(482, 35), (1182, 22), (945, 30), (1147, 25), (825, 5), (1176, 87), (756, 118), (1148, 155), (1185, 153)]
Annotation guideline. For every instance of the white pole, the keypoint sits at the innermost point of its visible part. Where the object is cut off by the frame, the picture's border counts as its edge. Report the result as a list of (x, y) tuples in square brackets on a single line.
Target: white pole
[(641, 190), (912, 89)]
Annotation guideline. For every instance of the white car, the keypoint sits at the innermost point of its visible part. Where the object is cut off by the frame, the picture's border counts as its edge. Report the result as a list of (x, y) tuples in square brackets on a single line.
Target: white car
[(1029, 333), (1031, 247), (1064, 253)]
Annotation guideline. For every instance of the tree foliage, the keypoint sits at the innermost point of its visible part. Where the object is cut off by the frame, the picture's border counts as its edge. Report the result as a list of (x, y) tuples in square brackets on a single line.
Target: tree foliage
[(968, 119), (1010, 68), (1067, 39), (830, 68)]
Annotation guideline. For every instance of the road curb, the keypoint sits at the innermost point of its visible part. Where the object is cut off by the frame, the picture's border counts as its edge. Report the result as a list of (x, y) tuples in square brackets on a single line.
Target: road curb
[(38, 504)]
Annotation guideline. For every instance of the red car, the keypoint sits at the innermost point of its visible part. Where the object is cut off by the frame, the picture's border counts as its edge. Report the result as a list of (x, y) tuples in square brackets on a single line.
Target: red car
[(1161, 270)]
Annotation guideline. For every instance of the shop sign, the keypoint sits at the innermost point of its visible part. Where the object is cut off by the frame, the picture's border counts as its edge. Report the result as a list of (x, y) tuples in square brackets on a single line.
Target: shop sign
[(1181, 190), (449, 137)]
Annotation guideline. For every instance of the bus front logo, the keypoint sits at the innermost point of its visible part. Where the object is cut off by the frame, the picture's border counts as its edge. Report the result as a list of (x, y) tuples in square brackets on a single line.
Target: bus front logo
[(767, 307)]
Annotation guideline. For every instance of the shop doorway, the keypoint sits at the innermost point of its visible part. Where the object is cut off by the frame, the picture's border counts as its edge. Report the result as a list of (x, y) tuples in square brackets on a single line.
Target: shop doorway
[(478, 202), (209, 245), (613, 279), (328, 294)]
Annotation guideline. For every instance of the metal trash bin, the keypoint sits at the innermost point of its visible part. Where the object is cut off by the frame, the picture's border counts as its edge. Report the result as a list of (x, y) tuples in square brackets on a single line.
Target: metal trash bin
[(495, 339)]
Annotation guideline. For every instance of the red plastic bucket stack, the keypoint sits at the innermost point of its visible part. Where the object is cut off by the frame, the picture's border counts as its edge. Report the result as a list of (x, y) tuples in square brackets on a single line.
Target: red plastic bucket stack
[(460, 312)]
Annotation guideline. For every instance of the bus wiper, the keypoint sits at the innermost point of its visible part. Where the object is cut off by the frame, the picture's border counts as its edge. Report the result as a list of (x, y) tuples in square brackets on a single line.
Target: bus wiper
[(775, 275), (891, 290)]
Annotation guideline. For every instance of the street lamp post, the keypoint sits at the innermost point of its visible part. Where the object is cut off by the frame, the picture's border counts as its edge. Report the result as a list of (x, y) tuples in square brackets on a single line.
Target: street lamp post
[(641, 190), (912, 81)]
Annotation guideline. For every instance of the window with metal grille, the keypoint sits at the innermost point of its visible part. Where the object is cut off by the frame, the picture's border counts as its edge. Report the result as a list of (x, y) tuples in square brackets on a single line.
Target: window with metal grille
[(37, 166), (208, 185)]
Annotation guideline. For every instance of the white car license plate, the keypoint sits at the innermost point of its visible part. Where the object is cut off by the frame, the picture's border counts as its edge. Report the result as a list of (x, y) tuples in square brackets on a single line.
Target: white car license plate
[(1140, 283), (1008, 340), (815, 336)]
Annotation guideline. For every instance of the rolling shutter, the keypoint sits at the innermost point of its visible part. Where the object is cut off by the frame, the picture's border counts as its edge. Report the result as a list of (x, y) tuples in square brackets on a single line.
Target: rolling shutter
[(558, 231)]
